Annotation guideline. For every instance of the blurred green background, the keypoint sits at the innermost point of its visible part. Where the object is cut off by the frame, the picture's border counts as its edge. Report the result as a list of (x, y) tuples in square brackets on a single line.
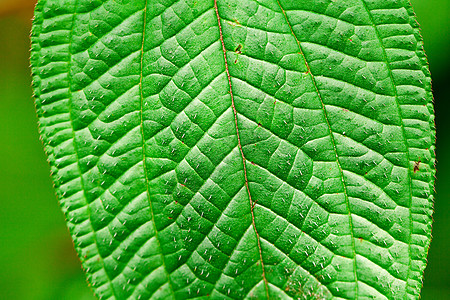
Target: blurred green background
[(37, 260)]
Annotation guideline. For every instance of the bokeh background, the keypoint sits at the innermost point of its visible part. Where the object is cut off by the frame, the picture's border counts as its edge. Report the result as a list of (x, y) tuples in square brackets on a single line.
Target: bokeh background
[(37, 260)]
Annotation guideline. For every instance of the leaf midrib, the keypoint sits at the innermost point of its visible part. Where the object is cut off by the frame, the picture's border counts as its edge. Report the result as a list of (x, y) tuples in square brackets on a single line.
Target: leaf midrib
[(252, 204)]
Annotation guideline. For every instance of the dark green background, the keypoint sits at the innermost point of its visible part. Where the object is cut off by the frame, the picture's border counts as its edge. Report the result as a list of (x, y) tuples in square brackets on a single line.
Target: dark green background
[(37, 260)]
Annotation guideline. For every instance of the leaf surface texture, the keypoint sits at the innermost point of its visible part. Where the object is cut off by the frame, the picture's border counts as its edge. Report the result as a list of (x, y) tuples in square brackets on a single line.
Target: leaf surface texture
[(239, 149)]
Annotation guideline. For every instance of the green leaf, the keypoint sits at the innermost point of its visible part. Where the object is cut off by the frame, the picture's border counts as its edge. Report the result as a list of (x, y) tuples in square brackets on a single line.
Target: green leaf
[(239, 149)]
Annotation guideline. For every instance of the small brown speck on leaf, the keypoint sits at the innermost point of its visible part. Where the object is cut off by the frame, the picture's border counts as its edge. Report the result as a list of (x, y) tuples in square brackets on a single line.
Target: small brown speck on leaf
[(238, 49), (416, 166)]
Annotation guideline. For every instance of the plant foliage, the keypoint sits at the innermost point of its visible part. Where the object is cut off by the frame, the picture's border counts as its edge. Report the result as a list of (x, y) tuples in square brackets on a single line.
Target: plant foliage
[(239, 149)]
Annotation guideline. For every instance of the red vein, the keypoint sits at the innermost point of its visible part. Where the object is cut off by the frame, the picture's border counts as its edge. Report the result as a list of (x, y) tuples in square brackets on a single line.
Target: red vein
[(252, 204)]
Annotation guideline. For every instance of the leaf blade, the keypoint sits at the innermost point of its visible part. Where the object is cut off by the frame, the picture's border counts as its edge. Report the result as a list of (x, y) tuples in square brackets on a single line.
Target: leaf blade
[(295, 114)]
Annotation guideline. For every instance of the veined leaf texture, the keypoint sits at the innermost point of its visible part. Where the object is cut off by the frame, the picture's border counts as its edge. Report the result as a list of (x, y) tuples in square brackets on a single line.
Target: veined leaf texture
[(239, 149)]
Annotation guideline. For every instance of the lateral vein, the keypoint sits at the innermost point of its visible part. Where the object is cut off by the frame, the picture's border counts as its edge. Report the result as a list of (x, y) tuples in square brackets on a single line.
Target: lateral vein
[(75, 148), (143, 147), (391, 77), (333, 142)]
